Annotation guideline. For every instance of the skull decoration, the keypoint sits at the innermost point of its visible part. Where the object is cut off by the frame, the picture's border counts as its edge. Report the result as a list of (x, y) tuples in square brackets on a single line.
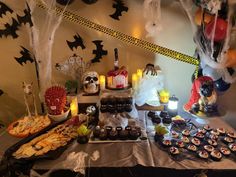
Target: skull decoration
[(91, 82)]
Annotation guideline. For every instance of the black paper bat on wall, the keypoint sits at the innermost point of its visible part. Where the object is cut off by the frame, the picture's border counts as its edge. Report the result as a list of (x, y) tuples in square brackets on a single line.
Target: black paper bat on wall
[(99, 52), (1, 92), (4, 9), (10, 30), (78, 42), (120, 7), (26, 18), (25, 56)]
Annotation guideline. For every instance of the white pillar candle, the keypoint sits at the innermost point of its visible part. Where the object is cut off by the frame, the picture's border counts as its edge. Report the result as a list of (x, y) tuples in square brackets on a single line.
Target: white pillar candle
[(102, 81), (134, 80)]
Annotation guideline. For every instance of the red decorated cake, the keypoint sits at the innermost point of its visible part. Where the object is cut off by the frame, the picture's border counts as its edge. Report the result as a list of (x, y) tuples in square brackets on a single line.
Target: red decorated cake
[(118, 77)]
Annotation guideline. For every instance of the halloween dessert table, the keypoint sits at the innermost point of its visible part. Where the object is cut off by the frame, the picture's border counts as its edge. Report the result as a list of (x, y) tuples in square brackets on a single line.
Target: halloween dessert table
[(129, 158)]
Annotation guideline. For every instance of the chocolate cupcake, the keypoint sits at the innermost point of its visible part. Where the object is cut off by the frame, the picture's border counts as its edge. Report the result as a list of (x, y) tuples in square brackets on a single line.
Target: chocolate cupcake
[(186, 132), (185, 139), (192, 147), (128, 104), (123, 134), (180, 144), (228, 140), (232, 147), (216, 155), (151, 114), (108, 129), (174, 151), (214, 137), (103, 134), (221, 131), (207, 127), (208, 148), (103, 108), (196, 141), (212, 142), (128, 128), (111, 106), (113, 134), (215, 132), (225, 151), (163, 114), (231, 135), (166, 143), (128, 108), (167, 120), (119, 128), (104, 101), (199, 135), (96, 132), (134, 134), (156, 119), (129, 100), (203, 154), (202, 130), (174, 134)]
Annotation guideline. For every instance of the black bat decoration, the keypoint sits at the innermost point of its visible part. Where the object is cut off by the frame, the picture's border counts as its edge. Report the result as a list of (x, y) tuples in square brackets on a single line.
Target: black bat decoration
[(77, 42), (99, 52), (10, 30), (120, 7), (4, 9), (1, 92), (25, 56), (26, 18)]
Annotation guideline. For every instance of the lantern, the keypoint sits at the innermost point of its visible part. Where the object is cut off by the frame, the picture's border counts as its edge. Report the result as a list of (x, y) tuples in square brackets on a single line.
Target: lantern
[(173, 106)]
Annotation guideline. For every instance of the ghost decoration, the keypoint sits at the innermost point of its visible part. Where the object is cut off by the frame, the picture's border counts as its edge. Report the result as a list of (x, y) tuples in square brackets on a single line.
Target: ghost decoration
[(150, 84), (90, 82)]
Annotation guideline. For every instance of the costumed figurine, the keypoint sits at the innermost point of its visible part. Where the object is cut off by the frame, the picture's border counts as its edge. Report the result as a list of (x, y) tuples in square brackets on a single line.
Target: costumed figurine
[(29, 98), (148, 87), (203, 97), (90, 80)]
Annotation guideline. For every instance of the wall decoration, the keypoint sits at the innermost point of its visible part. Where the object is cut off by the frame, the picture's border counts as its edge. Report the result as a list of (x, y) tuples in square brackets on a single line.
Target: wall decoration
[(25, 56), (120, 7), (26, 18), (78, 42), (1, 92), (99, 52), (124, 37), (10, 30), (89, 1), (152, 14), (4, 9), (65, 2)]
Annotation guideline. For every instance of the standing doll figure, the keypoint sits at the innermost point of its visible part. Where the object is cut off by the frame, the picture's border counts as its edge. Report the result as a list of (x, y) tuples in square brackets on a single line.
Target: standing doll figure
[(29, 98)]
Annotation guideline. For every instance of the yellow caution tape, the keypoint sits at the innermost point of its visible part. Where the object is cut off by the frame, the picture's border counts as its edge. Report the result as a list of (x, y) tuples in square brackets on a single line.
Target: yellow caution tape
[(124, 37)]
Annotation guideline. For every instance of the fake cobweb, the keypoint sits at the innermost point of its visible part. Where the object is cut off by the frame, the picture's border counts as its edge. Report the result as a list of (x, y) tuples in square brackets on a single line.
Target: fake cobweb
[(217, 65)]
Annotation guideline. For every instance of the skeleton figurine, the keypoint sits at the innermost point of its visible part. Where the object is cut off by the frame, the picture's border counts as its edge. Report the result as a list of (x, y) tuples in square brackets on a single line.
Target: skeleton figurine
[(90, 82), (29, 98)]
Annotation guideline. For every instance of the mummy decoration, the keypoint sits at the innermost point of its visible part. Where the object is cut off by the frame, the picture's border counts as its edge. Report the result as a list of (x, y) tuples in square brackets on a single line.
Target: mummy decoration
[(91, 82), (152, 13)]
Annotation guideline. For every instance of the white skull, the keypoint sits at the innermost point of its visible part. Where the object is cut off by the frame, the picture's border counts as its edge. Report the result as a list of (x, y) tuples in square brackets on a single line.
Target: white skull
[(91, 82)]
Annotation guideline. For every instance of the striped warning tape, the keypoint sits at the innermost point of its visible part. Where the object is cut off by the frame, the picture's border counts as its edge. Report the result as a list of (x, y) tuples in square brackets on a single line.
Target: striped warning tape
[(124, 37)]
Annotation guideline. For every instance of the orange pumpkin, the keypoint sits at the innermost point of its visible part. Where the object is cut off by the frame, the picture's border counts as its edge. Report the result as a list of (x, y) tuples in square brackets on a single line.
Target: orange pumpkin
[(231, 58), (198, 17)]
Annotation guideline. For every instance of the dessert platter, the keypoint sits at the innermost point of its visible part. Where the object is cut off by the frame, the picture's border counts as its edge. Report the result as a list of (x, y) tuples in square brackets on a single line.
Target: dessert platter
[(193, 142)]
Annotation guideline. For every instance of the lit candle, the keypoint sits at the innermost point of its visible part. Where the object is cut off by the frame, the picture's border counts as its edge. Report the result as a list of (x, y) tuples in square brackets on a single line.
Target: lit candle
[(74, 106), (134, 81), (102, 81), (139, 74)]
